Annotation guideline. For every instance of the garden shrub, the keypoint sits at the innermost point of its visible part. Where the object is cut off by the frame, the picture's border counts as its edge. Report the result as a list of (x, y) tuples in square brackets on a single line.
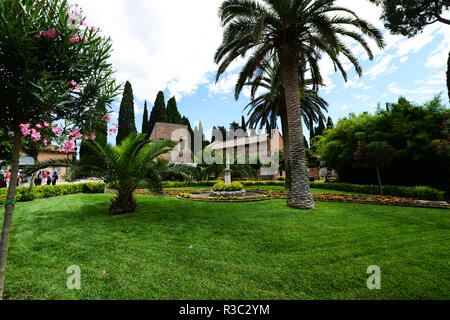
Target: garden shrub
[(234, 186), (40, 192), (421, 193)]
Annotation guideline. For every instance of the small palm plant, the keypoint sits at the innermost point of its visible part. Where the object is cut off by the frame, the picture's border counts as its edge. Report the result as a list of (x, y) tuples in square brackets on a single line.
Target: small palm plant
[(136, 162)]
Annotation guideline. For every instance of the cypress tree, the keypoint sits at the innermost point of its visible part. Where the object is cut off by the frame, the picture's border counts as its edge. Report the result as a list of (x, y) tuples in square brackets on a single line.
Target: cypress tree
[(173, 115), (145, 123), (330, 124), (127, 124), (320, 129), (243, 124), (158, 112)]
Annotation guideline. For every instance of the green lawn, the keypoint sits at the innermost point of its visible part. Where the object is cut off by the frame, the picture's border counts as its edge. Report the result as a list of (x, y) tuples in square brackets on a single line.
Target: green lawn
[(257, 250)]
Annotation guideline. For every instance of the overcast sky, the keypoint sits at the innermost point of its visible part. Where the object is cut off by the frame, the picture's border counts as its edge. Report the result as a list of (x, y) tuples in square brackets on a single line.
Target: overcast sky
[(169, 45)]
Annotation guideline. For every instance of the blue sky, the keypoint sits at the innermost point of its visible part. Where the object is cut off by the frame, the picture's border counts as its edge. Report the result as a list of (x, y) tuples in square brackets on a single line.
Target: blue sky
[(169, 45)]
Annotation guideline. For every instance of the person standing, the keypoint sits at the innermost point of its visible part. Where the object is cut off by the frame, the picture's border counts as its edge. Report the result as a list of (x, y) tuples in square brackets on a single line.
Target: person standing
[(38, 180), (20, 179), (8, 177), (54, 178), (49, 178), (2, 179)]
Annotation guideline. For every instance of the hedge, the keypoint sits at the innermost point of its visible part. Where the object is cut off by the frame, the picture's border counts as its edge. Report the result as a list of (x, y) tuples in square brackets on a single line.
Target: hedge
[(421, 193), (211, 183), (23, 193)]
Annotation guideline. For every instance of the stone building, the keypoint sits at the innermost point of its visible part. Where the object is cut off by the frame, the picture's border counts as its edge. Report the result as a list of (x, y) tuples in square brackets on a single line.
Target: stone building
[(175, 132), (263, 146)]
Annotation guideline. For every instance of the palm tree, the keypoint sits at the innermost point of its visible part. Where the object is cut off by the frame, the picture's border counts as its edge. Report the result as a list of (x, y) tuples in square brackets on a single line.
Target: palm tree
[(135, 163), (271, 104), (294, 31)]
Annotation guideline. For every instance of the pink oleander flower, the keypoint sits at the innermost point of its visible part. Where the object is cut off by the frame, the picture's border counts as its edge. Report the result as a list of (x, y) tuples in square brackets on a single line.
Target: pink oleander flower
[(77, 89), (39, 126), (93, 137), (37, 35), (69, 146), (94, 28), (57, 130), (72, 16), (74, 40), (46, 124), (106, 117), (25, 129), (35, 135), (86, 137), (50, 34), (45, 141), (74, 83)]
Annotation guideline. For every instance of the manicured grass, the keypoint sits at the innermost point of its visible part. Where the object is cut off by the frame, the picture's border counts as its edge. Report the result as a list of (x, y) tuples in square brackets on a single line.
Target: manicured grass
[(257, 250)]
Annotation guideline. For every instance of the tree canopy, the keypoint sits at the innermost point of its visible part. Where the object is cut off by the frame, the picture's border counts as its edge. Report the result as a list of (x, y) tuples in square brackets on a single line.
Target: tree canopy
[(159, 113), (127, 123), (410, 129), (409, 18)]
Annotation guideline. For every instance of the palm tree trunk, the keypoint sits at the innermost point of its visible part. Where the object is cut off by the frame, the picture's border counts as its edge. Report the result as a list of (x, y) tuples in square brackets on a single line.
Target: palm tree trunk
[(285, 128), (124, 202), (300, 196), (9, 208)]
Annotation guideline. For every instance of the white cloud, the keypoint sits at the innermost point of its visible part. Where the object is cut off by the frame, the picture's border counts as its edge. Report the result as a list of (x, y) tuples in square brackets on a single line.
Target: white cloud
[(440, 55), (159, 44), (383, 67), (403, 59), (416, 43), (137, 109), (225, 85), (353, 84)]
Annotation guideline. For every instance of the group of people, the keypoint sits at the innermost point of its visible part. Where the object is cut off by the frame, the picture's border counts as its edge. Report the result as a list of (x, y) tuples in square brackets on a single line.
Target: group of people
[(46, 177), (41, 177)]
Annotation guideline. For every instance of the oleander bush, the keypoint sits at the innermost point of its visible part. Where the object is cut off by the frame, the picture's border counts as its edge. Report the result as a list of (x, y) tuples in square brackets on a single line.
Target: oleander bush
[(40, 192), (234, 186)]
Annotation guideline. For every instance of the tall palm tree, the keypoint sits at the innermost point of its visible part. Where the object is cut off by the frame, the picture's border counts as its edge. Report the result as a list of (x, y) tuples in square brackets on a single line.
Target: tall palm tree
[(271, 104), (293, 31), (135, 163)]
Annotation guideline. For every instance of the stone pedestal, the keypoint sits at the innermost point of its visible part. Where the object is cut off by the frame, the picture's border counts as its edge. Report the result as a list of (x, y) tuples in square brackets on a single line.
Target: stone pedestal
[(227, 171)]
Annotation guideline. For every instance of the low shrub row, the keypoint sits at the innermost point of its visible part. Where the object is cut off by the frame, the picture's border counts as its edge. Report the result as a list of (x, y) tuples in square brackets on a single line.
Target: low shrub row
[(24, 194), (211, 183), (234, 186), (421, 193)]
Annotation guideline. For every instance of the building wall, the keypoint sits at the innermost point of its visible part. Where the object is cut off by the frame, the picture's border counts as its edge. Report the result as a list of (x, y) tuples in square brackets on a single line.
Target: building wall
[(47, 155), (175, 132)]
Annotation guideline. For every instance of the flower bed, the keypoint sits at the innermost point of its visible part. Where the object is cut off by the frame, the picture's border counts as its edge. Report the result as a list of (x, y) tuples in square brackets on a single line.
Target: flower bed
[(379, 200), (327, 197), (229, 198)]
